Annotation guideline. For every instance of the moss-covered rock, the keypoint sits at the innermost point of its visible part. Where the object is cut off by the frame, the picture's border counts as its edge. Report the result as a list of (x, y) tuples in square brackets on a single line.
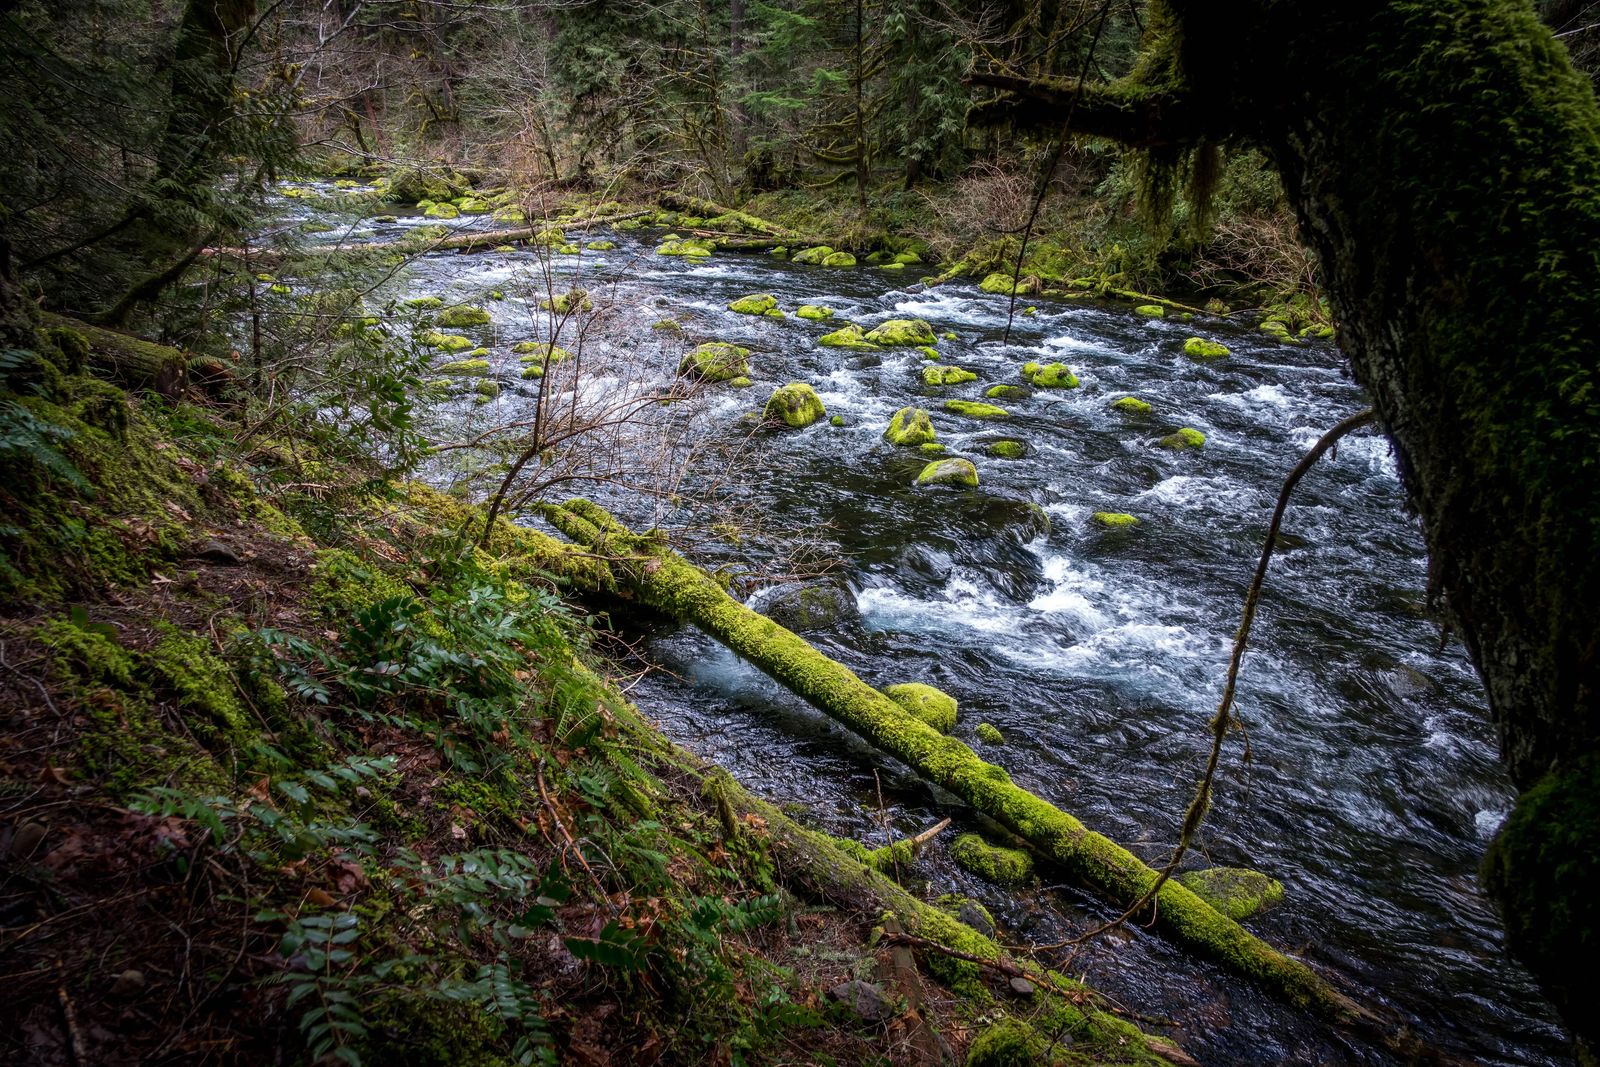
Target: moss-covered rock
[(932, 448), (989, 735), (463, 315), (795, 405), (1006, 392), (929, 352), (1199, 348), (836, 420), (1004, 284), (464, 368), (442, 211), (1008, 449), (1236, 892), (741, 382), (907, 258), (839, 259), (409, 185), (812, 255), (897, 332), (1008, 1043), (946, 376), (910, 426), (471, 205), (692, 247), (814, 312), (445, 342), (754, 304), (848, 336), (1131, 405), (1049, 375), (1113, 520), (1320, 331), (949, 472), (486, 391), (1001, 866), (1151, 311), (716, 361), (567, 303), (976, 409), (667, 326), (1187, 437), (538, 353), (933, 706), (600, 246)]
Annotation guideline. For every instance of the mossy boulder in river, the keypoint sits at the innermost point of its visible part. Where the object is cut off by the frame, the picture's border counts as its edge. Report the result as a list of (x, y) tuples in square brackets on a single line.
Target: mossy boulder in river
[(1113, 520), (1199, 348), (813, 608), (812, 255), (465, 368), (910, 426), (1049, 375), (754, 304), (568, 302), (693, 247), (408, 185), (989, 735), (1236, 892), (426, 303), (600, 246), (1006, 392), (1001, 866), (463, 315), (795, 405), (1185, 438), (1008, 449), (1004, 284), (975, 409), (442, 211), (1131, 405), (848, 336), (949, 472), (946, 376), (1151, 311), (933, 706), (839, 259), (813, 312), (910, 332), (716, 361), (447, 342)]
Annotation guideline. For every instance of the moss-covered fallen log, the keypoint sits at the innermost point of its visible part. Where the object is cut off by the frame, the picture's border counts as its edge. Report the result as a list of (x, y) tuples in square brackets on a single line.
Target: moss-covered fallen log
[(138, 364), (710, 210), (665, 581)]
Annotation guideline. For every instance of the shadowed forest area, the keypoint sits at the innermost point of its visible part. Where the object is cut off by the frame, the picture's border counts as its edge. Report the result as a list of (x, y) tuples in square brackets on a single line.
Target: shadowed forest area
[(799, 532)]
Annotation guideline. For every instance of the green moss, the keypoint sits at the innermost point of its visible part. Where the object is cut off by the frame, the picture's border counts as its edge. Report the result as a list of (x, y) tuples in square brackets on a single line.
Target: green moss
[(716, 361), (910, 426), (836, 420), (1131, 405), (932, 448), (901, 332), (950, 335), (989, 735), (1185, 438), (1004, 284), (600, 246), (407, 1026), (1236, 892), (1008, 1043), (795, 405), (933, 706), (929, 352), (667, 326), (1049, 376), (1001, 866), (690, 247), (1006, 392), (486, 391), (949, 472), (464, 368), (463, 315), (1201, 349), (1113, 520), (754, 304), (442, 211), (1008, 449), (569, 302), (740, 382), (839, 259), (848, 336), (540, 352), (189, 668), (812, 255), (813, 312), (975, 409), (1151, 311), (947, 376), (445, 342)]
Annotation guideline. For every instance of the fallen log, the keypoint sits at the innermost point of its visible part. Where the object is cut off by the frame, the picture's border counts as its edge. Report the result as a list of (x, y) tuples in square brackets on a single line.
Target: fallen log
[(663, 580), (137, 364), (707, 209)]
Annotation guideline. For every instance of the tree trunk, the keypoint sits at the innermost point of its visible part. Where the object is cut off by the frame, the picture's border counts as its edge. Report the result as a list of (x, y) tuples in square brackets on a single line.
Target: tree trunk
[(1443, 160)]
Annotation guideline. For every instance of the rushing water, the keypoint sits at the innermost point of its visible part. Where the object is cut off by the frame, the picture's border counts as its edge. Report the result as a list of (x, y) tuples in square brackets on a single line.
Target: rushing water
[(1366, 780)]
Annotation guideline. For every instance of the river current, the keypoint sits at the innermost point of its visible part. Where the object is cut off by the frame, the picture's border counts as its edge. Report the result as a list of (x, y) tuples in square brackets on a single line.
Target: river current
[(1365, 778)]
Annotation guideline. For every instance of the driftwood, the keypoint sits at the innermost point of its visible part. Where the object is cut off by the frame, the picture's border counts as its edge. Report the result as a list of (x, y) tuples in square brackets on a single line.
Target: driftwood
[(663, 580)]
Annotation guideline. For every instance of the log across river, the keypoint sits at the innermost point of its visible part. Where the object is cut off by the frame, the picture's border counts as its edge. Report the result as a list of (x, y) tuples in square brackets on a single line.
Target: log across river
[(1371, 784)]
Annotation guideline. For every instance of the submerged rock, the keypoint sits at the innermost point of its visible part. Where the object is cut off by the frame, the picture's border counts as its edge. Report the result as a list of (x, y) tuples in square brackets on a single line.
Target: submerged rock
[(1131, 405), (754, 304), (1049, 375), (910, 332), (975, 409), (716, 361), (910, 426), (1236, 892), (1200, 349), (949, 472), (813, 312), (848, 336), (933, 706), (811, 608), (1187, 437), (795, 405), (946, 376), (1002, 866)]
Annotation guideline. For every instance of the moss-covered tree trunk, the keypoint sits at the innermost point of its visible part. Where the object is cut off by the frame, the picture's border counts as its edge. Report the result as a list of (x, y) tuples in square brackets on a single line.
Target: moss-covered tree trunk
[(1443, 159)]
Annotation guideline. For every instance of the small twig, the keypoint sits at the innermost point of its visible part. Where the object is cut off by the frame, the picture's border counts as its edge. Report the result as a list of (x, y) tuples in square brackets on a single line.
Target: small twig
[(544, 795), (69, 1016)]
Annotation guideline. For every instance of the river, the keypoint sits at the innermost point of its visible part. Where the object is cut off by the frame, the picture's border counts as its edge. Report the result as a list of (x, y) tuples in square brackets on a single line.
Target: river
[(1365, 779)]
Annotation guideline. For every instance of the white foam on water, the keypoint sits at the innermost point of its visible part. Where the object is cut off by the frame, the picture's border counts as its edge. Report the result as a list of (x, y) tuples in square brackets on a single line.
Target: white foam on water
[(1195, 492), (1069, 343), (1488, 822), (940, 310), (964, 606)]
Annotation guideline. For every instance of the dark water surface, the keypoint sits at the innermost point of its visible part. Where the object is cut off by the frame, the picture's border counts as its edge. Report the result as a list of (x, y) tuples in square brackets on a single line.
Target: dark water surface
[(1371, 786)]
